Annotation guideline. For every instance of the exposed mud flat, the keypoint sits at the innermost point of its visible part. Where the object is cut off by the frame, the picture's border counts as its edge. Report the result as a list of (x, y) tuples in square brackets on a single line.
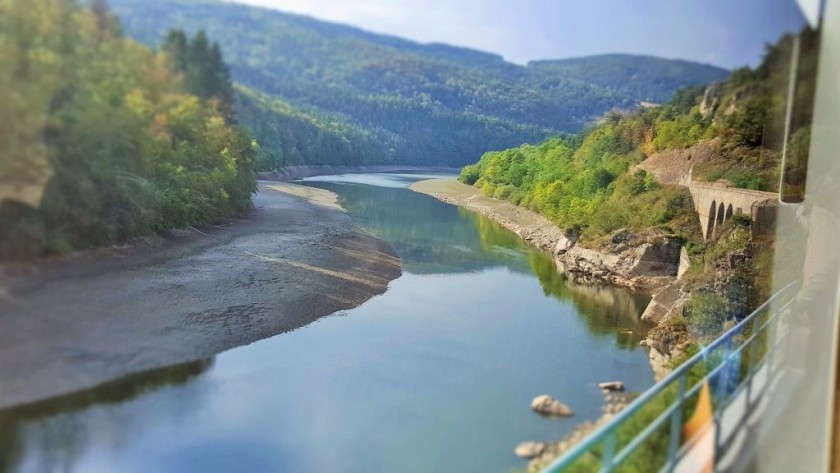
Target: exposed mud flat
[(71, 323)]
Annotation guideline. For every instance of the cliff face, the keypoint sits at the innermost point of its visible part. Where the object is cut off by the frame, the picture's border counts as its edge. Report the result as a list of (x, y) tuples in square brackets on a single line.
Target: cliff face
[(648, 260)]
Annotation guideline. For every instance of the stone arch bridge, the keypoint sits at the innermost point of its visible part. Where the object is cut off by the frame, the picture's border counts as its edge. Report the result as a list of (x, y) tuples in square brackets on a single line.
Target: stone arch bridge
[(717, 203)]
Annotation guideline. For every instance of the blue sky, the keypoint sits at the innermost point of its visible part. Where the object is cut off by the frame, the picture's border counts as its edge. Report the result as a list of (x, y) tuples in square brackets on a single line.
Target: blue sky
[(727, 33)]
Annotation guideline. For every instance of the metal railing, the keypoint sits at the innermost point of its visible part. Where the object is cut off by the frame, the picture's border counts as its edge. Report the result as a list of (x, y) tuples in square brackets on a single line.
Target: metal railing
[(727, 366)]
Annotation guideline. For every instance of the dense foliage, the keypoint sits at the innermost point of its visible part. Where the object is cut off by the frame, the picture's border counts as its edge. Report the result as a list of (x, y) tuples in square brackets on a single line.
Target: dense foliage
[(590, 182), (289, 136), (202, 68), (420, 104), (108, 126), (585, 182)]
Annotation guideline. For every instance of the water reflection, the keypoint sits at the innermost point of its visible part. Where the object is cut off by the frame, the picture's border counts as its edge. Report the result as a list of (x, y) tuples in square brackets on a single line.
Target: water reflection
[(607, 311), (432, 237), (53, 434), (437, 374), (429, 236)]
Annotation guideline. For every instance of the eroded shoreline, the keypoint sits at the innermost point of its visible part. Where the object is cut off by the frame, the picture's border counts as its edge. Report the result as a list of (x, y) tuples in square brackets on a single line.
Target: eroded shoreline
[(640, 265), (80, 321), (584, 264)]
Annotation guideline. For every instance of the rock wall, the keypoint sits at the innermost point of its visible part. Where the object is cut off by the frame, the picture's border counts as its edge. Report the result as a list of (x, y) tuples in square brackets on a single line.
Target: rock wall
[(763, 216), (647, 260), (665, 303)]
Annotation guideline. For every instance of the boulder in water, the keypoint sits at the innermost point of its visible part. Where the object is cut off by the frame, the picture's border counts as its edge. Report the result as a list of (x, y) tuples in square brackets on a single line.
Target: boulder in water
[(611, 386), (529, 450), (547, 405)]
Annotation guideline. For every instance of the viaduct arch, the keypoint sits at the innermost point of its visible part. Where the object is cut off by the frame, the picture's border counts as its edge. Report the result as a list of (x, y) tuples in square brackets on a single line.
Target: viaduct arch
[(717, 203)]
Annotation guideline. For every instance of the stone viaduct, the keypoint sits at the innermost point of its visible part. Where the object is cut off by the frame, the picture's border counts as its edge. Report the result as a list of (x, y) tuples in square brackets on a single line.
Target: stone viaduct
[(717, 203)]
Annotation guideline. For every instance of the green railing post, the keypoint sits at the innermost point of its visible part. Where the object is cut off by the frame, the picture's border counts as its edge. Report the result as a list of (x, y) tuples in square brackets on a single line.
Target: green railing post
[(609, 452), (676, 424), (607, 435), (771, 345), (723, 374), (753, 353)]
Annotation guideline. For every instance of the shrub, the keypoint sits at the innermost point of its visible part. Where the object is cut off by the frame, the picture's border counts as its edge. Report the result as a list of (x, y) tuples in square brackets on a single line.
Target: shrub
[(705, 313), (503, 192), (470, 174)]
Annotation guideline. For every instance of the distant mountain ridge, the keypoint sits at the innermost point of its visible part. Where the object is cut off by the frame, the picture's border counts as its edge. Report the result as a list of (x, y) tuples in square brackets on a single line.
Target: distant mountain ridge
[(402, 101)]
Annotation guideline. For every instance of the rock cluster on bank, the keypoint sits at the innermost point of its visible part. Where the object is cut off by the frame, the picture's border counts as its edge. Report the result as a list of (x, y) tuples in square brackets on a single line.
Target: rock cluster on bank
[(541, 454), (548, 406), (653, 260)]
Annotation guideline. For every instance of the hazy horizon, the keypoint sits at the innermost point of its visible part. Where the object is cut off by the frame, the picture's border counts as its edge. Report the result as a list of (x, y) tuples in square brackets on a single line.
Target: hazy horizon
[(717, 32)]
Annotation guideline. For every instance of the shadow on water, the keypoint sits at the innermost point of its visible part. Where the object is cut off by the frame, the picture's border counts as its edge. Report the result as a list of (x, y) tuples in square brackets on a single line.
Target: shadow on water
[(68, 440)]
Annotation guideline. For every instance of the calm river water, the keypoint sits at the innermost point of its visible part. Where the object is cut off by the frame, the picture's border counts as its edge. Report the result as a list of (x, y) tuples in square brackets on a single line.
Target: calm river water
[(435, 375)]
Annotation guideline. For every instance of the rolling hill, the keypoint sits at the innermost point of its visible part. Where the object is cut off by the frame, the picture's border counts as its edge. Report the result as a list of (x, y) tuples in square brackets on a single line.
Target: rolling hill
[(379, 98)]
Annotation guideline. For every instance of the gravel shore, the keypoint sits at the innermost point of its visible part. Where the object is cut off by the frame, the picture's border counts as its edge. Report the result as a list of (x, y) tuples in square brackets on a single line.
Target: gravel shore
[(78, 321)]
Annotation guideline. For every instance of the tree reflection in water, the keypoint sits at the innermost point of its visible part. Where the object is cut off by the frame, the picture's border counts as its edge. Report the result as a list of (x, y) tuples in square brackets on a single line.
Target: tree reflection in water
[(431, 238), (60, 437), (607, 310)]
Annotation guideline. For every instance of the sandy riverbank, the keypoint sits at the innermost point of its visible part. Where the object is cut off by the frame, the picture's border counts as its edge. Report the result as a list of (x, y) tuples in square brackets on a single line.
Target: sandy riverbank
[(75, 322), (290, 173), (528, 224)]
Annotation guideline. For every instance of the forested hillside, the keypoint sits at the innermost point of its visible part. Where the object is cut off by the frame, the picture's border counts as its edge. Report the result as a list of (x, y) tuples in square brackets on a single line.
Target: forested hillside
[(108, 138), (591, 180), (398, 101), (594, 183)]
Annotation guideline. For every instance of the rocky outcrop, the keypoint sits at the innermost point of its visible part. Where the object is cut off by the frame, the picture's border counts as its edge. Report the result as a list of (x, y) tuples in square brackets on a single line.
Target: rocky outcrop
[(648, 260), (667, 341), (711, 99), (660, 259), (548, 406), (611, 386), (614, 403), (529, 450), (565, 243), (673, 166), (665, 303), (684, 264)]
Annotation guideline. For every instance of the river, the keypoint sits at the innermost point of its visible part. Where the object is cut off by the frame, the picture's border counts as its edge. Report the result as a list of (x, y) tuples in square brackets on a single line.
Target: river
[(437, 374)]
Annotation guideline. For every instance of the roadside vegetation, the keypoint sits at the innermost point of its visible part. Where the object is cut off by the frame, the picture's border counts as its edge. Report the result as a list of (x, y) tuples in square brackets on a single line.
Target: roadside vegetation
[(118, 140)]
